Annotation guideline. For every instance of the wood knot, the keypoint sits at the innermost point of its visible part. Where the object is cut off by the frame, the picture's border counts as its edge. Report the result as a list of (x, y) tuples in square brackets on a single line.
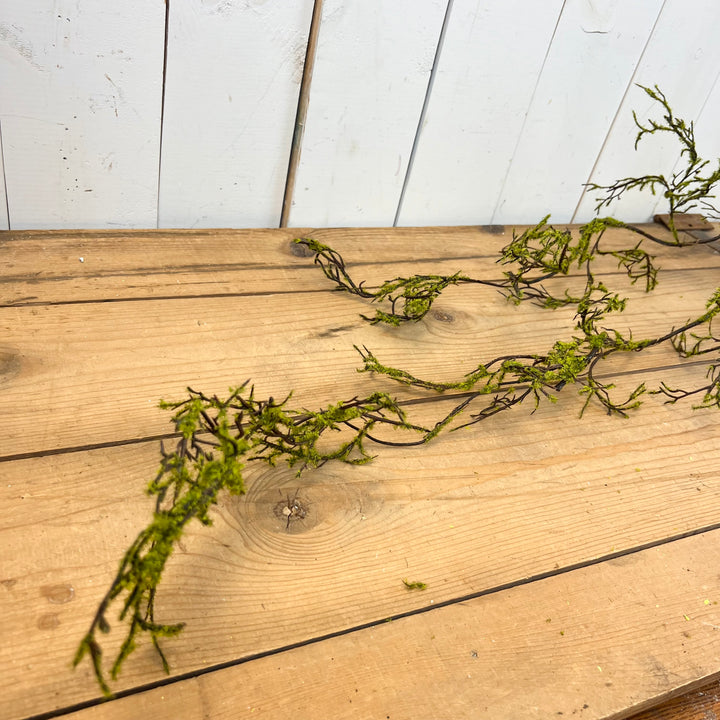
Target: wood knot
[(443, 316), (300, 250), (493, 229), (10, 364), (48, 621), (291, 510), (58, 594)]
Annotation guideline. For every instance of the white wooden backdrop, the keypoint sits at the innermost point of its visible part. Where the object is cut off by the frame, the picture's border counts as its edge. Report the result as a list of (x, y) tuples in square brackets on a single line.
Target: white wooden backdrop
[(184, 113)]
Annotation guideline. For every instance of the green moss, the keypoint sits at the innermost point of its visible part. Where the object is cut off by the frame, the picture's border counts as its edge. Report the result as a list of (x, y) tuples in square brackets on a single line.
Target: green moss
[(218, 437)]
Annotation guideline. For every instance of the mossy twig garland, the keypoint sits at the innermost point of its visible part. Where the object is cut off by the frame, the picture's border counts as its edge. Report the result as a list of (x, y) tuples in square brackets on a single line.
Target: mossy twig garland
[(688, 189), (217, 437)]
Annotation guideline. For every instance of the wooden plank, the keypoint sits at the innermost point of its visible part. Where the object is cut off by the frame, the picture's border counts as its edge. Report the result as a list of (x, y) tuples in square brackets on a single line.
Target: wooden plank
[(124, 357), (53, 267), (706, 131), (472, 512), (682, 57), (372, 67), (468, 514), (231, 93), (595, 50), (548, 649), (301, 115), (80, 101), (481, 90)]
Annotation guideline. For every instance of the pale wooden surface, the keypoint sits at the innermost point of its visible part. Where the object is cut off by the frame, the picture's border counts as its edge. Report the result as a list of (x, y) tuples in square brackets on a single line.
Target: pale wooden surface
[(586, 35), (538, 517), (459, 167)]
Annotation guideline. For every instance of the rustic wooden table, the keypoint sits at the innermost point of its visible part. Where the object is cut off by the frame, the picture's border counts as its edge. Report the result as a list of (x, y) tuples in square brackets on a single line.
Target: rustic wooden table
[(572, 566)]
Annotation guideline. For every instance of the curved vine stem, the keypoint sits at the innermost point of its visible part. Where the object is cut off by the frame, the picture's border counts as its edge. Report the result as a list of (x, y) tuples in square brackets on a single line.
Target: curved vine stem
[(218, 437)]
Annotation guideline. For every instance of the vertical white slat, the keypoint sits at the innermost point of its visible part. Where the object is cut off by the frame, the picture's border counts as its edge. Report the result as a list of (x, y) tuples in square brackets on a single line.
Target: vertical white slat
[(490, 62), (707, 137), (682, 57), (596, 48), (80, 100), (372, 66), (4, 220), (231, 93)]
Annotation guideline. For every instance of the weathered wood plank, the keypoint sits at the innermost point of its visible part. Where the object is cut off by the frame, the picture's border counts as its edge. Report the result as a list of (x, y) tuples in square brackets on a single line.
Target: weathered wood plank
[(99, 379), (231, 93), (481, 91), (677, 60), (54, 267), (474, 511), (595, 643), (515, 498), (80, 104), (596, 48), (372, 67)]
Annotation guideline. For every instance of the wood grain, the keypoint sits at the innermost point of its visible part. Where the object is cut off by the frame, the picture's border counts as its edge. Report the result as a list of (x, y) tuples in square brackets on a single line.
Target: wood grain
[(108, 266), (548, 649), (461, 521), (502, 507), (114, 361)]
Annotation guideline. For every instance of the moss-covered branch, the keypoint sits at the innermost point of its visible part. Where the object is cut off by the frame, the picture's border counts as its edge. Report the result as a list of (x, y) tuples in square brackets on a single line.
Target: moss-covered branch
[(218, 437), (690, 188)]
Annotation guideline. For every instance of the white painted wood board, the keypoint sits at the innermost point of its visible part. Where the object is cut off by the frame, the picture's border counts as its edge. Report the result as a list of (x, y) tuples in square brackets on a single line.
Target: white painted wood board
[(682, 57), (524, 107), (231, 92), (372, 68), (80, 102), (589, 65), (490, 61), (4, 221)]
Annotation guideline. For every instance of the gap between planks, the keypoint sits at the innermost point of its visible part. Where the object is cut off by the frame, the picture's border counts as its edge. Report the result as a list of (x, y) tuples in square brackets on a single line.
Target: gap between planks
[(543, 648), (126, 479), (527, 512), (409, 403), (120, 359)]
